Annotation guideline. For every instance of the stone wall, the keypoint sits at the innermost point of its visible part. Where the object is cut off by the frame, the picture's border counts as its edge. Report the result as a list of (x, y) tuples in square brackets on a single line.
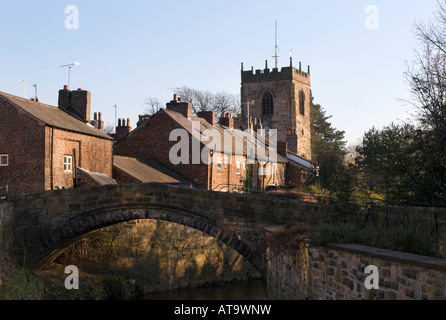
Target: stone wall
[(48, 220), (286, 87), (337, 272), (158, 256)]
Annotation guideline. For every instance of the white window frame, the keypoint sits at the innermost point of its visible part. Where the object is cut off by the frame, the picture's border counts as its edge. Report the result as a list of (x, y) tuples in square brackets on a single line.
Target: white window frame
[(220, 165), (67, 165), (239, 168), (2, 156)]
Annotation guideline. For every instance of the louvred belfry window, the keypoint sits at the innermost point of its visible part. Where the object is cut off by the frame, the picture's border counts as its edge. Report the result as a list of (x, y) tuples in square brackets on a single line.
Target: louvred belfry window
[(268, 103)]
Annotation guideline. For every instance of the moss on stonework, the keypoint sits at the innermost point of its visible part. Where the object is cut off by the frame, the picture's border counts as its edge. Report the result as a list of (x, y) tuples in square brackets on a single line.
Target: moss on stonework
[(22, 286)]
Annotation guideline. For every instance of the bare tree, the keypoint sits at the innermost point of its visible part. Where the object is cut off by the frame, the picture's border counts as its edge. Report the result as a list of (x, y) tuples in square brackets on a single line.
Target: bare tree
[(220, 102), (153, 105), (109, 128), (426, 78)]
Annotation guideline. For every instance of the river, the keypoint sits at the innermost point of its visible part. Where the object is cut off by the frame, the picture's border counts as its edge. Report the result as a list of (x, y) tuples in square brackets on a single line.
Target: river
[(247, 290)]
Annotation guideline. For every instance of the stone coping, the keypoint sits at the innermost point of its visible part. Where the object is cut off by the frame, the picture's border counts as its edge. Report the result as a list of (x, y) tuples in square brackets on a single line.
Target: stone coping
[(409, 258)]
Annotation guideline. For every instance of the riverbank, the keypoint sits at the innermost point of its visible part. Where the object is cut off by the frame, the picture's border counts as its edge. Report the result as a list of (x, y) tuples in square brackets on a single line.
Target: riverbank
[(17, 283)]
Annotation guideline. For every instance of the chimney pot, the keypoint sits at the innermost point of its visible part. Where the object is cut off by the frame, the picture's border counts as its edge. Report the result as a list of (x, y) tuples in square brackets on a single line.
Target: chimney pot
[(65, 87), (175, 97)]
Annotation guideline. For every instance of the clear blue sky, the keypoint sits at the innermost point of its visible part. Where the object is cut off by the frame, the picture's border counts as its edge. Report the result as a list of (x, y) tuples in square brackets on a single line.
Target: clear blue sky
[(130, 50)]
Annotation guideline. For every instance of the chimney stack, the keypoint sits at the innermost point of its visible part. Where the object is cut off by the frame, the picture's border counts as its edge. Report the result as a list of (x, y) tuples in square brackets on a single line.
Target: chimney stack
[(142, 118), (76, 103), (209, 116), (291, 140), (227, 121), (282, 148), (123, 129), (97, 121), (185, 108)]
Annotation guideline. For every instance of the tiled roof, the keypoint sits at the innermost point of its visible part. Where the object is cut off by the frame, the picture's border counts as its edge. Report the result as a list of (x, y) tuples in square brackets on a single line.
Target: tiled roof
[(147, 171), (53, 116)]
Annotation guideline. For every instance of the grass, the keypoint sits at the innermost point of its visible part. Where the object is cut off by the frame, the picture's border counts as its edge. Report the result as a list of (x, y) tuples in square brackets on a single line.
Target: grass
[(415, 238), (24, 286)]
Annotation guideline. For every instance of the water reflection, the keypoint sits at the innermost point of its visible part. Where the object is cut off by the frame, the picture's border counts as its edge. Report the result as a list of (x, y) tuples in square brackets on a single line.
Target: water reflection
[(248, 290)]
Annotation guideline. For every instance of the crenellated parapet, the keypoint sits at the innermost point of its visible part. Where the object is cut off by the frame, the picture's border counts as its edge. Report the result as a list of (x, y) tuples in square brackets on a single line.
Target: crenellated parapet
[(274, 74)]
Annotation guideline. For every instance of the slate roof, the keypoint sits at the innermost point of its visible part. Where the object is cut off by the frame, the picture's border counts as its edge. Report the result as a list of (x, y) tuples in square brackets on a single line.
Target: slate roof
[(147, 171), (235, 146), (100, 178), (53, 116), (300, 162)]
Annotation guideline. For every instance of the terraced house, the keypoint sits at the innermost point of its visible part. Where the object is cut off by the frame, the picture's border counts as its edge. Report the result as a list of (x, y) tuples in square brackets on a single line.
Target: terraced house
[(211, 155), (46, 148)]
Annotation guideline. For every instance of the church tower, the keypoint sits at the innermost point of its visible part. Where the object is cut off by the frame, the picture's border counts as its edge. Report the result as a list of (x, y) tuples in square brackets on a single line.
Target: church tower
[(281, 100)]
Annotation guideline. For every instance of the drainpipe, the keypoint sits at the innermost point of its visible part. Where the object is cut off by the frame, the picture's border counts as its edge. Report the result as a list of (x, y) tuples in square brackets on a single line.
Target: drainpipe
[(75, 168), (210, 166), (52, 158)]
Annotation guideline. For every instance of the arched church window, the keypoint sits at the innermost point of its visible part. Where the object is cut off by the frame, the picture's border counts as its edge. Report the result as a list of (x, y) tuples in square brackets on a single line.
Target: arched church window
[(302, 103), (268, 103)]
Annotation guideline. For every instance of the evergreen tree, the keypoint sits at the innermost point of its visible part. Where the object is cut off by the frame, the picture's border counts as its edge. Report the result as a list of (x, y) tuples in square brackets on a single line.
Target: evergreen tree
[(328, 149)]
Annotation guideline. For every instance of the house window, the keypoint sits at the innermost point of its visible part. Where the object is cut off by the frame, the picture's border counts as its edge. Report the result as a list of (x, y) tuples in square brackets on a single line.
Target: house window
[(68, 163), (239, 168), (302, 103), (268, 103), (220, 165), (4, 160)]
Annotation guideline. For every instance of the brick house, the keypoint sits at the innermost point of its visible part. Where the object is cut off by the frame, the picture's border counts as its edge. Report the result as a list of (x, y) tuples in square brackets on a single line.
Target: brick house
[(213, 165), (46, 148)]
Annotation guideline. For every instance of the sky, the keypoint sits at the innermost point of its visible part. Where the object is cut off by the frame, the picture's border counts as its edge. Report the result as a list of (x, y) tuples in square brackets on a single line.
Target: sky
[(131, 50)]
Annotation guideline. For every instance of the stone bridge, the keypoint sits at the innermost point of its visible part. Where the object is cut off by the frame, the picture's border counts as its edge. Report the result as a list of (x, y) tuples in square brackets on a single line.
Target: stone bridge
[(46, 223)]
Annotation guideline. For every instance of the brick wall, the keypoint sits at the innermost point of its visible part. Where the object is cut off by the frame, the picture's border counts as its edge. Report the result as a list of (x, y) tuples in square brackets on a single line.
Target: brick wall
[(151, 141), (36, 153), (296, 176), (228, 177), (23, 139), (92, 153)]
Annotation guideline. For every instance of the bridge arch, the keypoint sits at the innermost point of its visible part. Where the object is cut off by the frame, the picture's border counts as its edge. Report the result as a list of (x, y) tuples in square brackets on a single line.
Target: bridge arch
[(77, 226)]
